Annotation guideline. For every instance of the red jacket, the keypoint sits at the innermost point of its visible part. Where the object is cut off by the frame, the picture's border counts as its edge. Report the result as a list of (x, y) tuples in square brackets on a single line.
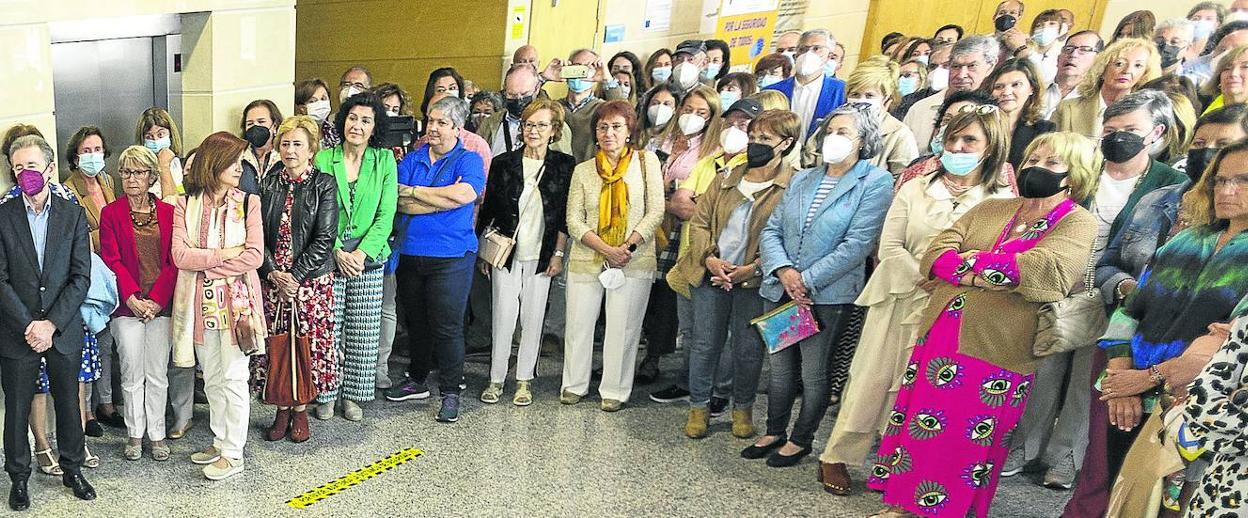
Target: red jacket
[(118, 251)]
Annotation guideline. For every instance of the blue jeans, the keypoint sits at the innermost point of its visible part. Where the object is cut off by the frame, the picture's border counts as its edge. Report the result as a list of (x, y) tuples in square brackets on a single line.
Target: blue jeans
[(808, 361), (435, 295), (719, 313)]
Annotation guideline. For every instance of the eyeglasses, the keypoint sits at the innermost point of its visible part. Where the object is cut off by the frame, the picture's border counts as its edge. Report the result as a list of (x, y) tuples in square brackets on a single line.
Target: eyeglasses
[(356, 84), (540, 126), (130, 173), (1079, 50), (617, 127), (807, 48), (1237, 182), (981, 109)]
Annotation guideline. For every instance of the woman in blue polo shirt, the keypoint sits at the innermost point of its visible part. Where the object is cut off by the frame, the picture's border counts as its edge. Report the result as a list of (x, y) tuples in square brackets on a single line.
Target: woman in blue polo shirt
[(438, 184)]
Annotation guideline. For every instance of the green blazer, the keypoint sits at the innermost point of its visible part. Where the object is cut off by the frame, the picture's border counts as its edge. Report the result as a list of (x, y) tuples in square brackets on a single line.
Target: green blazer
[(376, 194)]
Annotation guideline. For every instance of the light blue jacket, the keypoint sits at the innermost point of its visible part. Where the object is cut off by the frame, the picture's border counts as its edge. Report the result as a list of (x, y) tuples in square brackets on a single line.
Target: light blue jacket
[(830, 253), (101, 300)]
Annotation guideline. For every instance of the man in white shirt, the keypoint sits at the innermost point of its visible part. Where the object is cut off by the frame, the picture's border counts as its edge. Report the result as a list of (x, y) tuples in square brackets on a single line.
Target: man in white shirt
[(970, 61), (812, 94), (1072, 65)]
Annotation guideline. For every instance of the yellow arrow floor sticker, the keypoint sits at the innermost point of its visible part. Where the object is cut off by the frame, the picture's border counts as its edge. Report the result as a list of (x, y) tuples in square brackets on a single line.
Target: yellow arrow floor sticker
[(353, 478)]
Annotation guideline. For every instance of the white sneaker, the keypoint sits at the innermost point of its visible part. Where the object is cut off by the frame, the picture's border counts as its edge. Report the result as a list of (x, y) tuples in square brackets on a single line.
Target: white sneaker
[(1014, 463), (233, 467)]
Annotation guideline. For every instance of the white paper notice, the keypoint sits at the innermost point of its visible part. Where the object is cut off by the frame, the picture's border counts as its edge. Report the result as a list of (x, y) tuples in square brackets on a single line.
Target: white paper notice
[(658, 15), (709, 16)]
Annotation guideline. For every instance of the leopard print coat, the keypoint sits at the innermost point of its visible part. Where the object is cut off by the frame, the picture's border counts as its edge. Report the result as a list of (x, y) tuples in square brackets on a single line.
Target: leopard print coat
[(1217, 414)]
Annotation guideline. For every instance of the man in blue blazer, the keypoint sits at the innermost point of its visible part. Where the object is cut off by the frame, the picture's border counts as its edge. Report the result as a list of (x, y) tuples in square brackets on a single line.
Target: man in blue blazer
[(812, 94)]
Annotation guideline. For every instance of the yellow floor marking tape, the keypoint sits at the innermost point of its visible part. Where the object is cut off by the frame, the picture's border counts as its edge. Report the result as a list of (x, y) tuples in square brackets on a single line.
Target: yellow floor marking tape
[(353, 478)]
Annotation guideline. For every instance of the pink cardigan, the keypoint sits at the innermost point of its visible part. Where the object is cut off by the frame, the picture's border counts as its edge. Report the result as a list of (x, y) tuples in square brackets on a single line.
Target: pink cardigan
[(119, 252), (187, 255)]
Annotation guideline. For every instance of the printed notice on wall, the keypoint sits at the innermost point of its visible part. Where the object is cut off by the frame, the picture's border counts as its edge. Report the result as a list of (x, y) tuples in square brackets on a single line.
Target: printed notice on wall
[(748, 30), (658, 15)]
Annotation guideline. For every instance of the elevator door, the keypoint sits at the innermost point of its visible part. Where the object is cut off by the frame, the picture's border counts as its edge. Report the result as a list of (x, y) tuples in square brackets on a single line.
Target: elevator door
[(105, 83)]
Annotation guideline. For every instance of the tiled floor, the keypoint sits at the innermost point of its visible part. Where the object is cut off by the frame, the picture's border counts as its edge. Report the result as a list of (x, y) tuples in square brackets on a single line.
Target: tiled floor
[(499, 460)]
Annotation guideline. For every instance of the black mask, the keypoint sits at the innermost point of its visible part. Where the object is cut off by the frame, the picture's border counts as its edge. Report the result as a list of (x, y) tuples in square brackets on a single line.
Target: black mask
[(1169, 54), (1038, 182), (1121, 146), (257, 136), (1197, 160), (758, 155), (516, 106), (1005, 23)]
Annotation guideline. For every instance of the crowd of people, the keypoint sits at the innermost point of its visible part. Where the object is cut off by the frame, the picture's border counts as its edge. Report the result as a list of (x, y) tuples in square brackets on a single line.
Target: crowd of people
[(1019, 249)]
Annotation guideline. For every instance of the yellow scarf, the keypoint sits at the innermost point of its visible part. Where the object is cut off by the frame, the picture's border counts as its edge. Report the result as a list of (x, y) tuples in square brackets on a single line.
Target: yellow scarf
[(613, 200)]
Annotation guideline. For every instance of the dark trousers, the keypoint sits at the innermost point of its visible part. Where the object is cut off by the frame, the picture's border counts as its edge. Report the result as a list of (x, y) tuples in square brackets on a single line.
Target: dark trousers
[(435, 295), (661, 324), (18, 377), (805, 362), (1091, 498)]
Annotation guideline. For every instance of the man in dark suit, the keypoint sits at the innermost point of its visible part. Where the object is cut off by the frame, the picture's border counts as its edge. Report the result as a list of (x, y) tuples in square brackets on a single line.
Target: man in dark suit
[(45, 271)]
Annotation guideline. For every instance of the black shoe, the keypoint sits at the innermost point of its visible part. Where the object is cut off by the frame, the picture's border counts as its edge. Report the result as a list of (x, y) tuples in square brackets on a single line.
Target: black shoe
[(758, 452), (82, 489), (717, 406), (670, 394), (647, 372), (776, 460), (19, 496), (93, 428), (112, 420)]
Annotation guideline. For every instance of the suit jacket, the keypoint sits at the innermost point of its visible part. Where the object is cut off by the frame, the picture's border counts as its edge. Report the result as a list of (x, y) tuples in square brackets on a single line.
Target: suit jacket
[(57, 292), (1081, 115), (830, 97)]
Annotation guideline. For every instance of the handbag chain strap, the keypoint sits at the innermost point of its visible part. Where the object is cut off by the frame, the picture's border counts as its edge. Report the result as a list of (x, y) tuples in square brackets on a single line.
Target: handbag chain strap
[(1089, 277)]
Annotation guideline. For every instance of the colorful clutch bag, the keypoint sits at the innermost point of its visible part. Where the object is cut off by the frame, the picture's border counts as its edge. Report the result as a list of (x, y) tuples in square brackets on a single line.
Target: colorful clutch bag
[(785, 326)]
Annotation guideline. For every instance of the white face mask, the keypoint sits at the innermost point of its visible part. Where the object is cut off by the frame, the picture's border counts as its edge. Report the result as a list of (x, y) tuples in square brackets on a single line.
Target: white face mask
[(874, 101), (836, 148), (922, 59), (1203, 29), (319, 109), (809, 64), (660, 113), (392, 113), (691, 123), (733, 140), (346, 93), (939, 79), (685, 75)]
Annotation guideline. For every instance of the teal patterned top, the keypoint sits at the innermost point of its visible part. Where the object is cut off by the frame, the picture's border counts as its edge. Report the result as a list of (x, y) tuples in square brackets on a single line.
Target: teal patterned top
[(1186, 287)]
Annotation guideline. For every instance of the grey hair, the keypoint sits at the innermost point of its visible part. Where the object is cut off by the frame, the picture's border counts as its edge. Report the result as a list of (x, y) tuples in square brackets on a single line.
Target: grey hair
[(1179, 24), (26, 141), (987, 46), (357, 68), (572, 55), (455, 109), (819, 32), (867, 124), (1159, 107)]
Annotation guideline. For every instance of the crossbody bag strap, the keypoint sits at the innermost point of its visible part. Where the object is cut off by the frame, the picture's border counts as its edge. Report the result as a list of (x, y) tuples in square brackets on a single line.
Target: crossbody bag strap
[(536, 186)]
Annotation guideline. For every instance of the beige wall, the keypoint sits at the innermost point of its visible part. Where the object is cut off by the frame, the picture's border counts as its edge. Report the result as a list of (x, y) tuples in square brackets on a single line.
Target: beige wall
[(233, 51), (1115, 10)]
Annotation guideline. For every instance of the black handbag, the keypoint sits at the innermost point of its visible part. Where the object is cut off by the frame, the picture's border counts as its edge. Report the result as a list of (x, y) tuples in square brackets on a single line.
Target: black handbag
[(350, 245)]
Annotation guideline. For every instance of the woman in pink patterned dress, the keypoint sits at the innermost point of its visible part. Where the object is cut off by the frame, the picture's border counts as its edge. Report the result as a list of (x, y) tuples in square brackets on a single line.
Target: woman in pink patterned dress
[(965, 386)]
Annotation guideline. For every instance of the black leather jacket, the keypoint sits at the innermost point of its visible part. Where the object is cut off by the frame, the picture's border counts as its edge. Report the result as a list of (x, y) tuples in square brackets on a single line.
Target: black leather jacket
[(501, 206), (313, 222)]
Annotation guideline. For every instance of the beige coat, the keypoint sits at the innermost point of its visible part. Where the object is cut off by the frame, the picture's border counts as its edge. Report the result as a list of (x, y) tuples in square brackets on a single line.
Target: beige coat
[(897, 147), (1081, 115), (645, 213)]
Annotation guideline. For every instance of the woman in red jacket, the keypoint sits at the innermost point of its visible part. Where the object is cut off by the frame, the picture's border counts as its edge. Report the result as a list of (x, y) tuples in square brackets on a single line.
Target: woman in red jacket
[(135, 237)]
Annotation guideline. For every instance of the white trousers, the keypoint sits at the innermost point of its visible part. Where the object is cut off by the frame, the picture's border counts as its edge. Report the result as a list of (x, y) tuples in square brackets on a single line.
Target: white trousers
[(225, 384), (626, 308), (519, 292), (144, 352)]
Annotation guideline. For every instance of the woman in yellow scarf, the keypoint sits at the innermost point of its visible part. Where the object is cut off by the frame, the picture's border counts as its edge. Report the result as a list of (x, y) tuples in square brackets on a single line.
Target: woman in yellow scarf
[(615, 204)]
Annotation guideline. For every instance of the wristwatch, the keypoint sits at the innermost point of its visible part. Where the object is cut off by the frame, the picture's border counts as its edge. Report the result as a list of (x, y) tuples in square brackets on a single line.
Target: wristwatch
[(558, 253)]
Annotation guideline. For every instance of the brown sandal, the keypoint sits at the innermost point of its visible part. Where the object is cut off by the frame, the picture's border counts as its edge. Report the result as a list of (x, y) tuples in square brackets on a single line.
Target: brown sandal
[(835, 478)]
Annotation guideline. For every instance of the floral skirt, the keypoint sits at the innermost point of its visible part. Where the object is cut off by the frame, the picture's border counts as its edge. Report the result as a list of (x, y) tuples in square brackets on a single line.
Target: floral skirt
[(949, 431), (88, 373), (315, 305)]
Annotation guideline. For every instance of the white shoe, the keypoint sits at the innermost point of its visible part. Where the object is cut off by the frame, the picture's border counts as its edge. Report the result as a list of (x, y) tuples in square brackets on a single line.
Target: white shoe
[(1014, 463), (233, 467)]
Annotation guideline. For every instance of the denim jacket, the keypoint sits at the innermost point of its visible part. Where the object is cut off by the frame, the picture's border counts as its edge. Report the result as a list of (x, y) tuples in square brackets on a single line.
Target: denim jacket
[(831, 252), (1131, 249)]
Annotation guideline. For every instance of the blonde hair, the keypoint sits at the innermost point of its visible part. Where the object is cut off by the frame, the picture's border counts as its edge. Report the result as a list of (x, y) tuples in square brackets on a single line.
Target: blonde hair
[(710, 131), (1094, 80), (306, 123), (1083, 158), (1198, 201), (771, 100), (877, 73), (1213, 87), (142, 157), (156, 116)]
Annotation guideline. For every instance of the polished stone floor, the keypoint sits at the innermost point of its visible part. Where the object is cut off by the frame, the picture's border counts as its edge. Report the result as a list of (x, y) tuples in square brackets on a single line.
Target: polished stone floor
[(499, 460)]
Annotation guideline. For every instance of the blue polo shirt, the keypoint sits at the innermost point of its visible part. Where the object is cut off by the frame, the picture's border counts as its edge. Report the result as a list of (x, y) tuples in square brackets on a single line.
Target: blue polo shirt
[(447, 233)]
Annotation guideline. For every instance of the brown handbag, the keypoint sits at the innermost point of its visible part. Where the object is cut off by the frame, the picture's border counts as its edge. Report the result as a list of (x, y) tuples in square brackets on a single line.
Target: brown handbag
[(289, 380)]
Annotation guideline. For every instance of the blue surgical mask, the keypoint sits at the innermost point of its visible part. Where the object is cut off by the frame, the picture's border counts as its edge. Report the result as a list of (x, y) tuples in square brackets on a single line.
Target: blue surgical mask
[(938, 142), (727, 97), (959, 164), (711, 70), (907, 85), (611, 83), (156, 145), (91, 163), (829, 68), (768, 80), (661, 74), (579, 85)]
